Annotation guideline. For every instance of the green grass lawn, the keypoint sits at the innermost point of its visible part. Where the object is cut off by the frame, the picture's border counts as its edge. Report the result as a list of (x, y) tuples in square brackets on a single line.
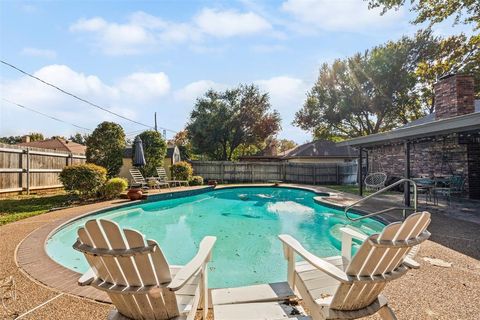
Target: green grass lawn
[(21, 207)]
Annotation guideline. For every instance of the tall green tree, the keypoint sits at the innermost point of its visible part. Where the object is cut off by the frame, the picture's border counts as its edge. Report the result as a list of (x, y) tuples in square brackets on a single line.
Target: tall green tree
[(154, 149), (435, 11), (366, 93), (105, 147), (223, 121), (455, 54), (79, 138), (36, 136)]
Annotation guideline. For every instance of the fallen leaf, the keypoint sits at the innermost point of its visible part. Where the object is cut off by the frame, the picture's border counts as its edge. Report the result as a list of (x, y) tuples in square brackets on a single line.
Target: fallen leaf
[(438, 262)]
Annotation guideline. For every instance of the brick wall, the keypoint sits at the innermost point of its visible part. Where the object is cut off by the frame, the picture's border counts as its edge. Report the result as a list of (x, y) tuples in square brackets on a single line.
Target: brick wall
[(454, 96), (440, 157)]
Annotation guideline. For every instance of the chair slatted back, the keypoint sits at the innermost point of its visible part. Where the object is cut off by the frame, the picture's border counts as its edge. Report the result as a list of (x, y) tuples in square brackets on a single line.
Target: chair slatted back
[(379, 260), (129, 270), (162, 173), (137, 176)]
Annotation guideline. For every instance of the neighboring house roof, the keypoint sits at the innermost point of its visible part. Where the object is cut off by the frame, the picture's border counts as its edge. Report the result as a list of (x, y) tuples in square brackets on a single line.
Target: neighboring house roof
[(314, 149), (321, 149), (57, 144), (431, 117)]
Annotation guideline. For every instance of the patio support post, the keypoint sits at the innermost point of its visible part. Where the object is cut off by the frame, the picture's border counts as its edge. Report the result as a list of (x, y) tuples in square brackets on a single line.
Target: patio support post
[(360, 172), (406, 187)]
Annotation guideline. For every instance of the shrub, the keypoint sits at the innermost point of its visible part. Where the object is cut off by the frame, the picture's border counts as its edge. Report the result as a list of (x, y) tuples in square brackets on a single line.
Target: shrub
[(114, 187), (85, 179), (105, 147), (182, 171), (196, 181), (154, 150)]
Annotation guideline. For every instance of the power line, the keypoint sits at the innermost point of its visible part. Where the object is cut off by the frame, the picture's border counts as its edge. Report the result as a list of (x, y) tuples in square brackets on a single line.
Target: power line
[(79, 98), (44, 114)]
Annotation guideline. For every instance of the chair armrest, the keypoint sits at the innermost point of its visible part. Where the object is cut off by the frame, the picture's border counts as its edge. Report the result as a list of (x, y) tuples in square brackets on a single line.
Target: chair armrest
[(87, 278), (353, 234), (315, 261), (409, 261), (191, 268), (347, 235), (412, 264)]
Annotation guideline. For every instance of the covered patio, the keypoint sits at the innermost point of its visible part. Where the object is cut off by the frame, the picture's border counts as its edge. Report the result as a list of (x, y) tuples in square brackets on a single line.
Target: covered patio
[(441, 150)]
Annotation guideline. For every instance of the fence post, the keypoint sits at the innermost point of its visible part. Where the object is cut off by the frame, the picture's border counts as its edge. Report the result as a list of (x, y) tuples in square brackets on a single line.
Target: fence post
[(284, 172), (28, 171), (338, 173), (222, 171)]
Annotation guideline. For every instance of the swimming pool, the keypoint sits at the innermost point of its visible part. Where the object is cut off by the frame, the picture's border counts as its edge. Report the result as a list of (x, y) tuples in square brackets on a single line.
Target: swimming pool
[(245, 220)]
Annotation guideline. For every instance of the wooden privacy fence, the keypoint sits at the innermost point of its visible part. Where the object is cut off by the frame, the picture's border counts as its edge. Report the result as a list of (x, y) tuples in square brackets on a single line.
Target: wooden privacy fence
[(27, 169), (306, 173)]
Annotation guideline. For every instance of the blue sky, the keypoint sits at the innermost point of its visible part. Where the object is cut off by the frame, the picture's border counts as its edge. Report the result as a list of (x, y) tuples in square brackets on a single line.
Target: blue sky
[(141, 57)]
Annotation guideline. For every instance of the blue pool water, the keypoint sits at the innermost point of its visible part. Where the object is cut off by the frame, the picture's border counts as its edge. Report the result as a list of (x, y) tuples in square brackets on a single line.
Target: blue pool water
[(246, 222)]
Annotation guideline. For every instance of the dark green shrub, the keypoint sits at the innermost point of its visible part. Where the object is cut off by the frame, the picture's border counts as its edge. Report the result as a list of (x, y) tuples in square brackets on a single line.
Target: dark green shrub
[(114, 187), (196, 181), (182, 171), (85, 179), (154, 149), (105, 147)]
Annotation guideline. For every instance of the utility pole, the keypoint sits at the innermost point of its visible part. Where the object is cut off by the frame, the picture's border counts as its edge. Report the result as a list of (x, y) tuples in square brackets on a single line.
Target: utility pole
[(155, 117)]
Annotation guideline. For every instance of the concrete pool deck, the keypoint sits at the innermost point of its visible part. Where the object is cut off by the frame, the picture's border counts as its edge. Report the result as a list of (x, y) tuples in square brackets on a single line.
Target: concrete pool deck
[(432, 292)]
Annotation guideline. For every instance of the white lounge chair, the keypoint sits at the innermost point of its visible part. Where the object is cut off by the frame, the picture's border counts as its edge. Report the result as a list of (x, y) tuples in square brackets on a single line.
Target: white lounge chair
[(162, 177), (162, 174), (138, 179), (136, 276), (343, 288)]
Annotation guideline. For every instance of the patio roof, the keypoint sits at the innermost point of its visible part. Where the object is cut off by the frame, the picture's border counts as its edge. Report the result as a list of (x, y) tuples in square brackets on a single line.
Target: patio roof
[(462, 123)]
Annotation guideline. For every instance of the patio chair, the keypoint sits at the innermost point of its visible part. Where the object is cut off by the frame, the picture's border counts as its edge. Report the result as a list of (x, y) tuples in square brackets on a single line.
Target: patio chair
[(375, 181), (162, 177), (138, 179), (455, 186), (342, 287), (137, 277)]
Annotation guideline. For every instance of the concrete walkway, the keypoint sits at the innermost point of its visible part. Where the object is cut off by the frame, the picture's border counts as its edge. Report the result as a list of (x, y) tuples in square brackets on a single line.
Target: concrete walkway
[(432, 292)]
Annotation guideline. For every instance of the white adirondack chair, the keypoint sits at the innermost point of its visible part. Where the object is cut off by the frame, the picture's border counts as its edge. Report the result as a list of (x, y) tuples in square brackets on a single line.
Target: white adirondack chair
[(136, 276), (343, 288)]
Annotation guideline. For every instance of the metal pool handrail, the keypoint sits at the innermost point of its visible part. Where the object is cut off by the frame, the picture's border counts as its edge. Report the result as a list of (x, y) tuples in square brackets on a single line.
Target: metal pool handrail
[(388, 209)]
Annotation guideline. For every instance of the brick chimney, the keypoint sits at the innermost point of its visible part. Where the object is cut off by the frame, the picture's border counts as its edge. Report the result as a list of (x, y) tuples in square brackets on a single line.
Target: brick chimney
[(454, 96), (271, 149), (26, 139)]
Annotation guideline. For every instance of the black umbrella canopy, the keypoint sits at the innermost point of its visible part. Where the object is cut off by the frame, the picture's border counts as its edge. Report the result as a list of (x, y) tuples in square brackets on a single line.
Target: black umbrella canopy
[(138, 157)]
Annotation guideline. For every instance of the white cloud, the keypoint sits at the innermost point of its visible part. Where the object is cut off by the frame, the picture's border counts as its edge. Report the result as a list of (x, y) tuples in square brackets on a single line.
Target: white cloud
[(42, 53), (287, 94), (341, 15), (113, 38), (145, 85), (230, 23), (122, 96), (268, 48), (196, 89), (143, 32)]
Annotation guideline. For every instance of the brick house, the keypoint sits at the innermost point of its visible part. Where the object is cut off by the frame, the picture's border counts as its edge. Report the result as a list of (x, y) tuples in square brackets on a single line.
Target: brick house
[(446, 142)]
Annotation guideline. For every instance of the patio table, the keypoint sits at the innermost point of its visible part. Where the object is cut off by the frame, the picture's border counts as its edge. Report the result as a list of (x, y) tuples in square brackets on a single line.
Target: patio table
[(428, 185)]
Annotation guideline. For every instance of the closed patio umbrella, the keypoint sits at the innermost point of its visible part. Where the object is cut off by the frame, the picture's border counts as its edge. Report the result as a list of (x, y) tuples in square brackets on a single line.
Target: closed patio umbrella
[(138, 157)]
